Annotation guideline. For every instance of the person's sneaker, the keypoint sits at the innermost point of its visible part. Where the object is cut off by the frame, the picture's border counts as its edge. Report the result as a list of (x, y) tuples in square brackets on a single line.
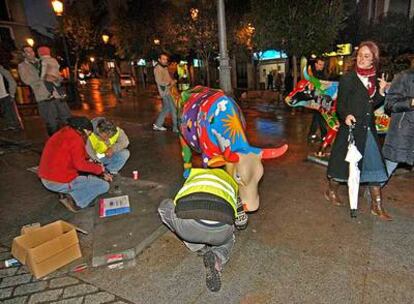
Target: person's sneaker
[(67, 201), (157, 128), (213, 280)]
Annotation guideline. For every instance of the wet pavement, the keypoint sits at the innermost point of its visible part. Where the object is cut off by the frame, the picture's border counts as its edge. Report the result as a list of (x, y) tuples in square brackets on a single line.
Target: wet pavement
[(296, 249)]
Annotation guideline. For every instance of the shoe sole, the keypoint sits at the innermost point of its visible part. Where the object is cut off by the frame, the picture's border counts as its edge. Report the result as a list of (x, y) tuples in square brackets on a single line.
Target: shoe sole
[(68, 205), (213, 280)]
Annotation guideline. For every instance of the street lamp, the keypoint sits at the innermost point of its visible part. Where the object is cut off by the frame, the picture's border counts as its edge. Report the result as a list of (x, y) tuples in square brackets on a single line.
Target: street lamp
[(72, 89), (157, 41), (57, 7), (225, 77), (194, 13), (30, 42), (105, 38), (92, 59)]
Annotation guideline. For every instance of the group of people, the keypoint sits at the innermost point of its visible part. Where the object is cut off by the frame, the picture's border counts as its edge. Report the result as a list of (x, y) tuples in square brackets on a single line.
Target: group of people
[(361, 91), (81, 159), (43, 76)]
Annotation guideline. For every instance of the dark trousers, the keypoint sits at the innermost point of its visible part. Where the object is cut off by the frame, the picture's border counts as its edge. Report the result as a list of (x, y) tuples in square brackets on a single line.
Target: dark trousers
[(54, 112), (11, 115), (318, 122)]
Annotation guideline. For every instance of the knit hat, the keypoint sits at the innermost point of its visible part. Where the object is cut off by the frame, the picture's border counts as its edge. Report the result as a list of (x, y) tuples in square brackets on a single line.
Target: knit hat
[(43, 50), (80, 123)]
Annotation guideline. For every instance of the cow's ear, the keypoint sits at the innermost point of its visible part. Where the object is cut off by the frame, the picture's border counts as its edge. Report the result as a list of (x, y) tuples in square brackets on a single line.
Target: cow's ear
[(216, 162)]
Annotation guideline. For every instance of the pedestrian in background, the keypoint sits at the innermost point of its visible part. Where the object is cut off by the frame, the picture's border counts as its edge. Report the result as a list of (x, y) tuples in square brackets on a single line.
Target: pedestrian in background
[(8, 88), (360, 93), (318, 122), (115, 79), (53, 111), (164, 83), (399, 142)]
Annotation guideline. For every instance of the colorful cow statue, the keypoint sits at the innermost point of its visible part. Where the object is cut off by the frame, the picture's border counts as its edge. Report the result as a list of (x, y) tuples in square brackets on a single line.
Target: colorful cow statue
[(321, 95), (213, 125)]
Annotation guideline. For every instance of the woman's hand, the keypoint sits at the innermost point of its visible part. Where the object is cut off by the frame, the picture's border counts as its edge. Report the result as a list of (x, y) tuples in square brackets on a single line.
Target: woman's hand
[(350, 120), (383, 84)]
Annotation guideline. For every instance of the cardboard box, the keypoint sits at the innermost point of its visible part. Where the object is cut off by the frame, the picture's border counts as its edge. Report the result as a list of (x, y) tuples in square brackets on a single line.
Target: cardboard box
[(114, 206), (47, 248), (29, 227)]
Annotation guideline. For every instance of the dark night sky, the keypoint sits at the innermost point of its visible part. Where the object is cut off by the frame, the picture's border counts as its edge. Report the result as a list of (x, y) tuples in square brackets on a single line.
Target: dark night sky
[(40, 14)]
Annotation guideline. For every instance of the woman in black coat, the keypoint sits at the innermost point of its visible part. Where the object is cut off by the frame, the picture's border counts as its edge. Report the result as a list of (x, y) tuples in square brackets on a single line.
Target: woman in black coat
[(360, 93), (399, 142)]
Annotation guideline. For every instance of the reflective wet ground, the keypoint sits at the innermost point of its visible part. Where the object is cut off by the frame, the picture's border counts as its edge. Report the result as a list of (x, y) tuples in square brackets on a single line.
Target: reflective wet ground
[(296, 249)]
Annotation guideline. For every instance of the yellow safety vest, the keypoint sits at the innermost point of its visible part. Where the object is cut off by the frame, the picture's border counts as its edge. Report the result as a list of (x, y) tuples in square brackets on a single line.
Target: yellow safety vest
[(214, 181), (101, 146)]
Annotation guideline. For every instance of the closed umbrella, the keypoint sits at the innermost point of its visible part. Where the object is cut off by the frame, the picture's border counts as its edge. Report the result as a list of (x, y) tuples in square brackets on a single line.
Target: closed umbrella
[(353, 156)]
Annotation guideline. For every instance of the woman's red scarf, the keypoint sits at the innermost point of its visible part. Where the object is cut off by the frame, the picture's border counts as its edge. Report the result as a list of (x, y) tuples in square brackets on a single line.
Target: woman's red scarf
[(370, 74)]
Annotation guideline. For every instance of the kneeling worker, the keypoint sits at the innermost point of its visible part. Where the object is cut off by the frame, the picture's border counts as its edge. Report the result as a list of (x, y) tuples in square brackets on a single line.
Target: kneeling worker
[(108, 145), (202, 215), (64, 157)]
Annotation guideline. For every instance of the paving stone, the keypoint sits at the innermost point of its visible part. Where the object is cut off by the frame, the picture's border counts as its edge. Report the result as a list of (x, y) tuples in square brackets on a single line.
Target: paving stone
[(18, 300), (100, 297), (50, 295), (5, 292), (22, 270), (77, 290), (5, 255), (30, 288), (61, 282), (8, 272), (70, 301), (58, 273), (16, 280)]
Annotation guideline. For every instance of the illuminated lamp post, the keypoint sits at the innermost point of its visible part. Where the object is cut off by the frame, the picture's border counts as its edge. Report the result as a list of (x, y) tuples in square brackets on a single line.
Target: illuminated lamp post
[(72, 88)]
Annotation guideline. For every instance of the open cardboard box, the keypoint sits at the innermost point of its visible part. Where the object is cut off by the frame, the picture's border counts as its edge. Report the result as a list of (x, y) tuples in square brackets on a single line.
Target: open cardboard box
[(47, 248)]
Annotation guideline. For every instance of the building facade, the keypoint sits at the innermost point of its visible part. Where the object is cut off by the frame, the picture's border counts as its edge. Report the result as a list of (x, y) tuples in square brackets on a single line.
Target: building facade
[(14, 30), (371, 10)]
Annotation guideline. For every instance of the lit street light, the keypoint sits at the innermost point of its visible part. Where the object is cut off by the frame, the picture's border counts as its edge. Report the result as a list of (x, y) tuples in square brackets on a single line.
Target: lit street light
[(105, 38), (92, 59), (157, 41), (72, 88), (57, 7), (30, 42)]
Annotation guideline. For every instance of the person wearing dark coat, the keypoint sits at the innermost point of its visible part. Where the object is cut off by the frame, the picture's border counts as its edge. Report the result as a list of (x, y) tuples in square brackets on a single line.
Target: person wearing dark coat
[(318, 122), (399, 141), (359, 94)]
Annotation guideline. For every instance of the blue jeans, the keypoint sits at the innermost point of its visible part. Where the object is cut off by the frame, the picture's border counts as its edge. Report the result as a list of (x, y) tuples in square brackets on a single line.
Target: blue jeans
[(167, 106), (116, 162), (197, 235), (83, 189)]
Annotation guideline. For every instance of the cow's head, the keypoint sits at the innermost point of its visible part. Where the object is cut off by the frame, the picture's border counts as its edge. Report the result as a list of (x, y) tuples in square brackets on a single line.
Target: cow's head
[(247, 170), (301, 94)]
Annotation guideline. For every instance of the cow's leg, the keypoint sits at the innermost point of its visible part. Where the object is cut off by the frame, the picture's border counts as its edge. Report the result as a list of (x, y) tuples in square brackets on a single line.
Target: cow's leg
[(187, 156)]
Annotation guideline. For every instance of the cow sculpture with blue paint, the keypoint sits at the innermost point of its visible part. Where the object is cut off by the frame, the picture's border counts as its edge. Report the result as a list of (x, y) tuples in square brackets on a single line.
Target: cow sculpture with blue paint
[(213, 125)]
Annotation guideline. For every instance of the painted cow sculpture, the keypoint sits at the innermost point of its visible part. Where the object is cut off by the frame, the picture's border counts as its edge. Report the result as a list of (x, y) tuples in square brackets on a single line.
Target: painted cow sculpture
[(321, 95), (213, 125)]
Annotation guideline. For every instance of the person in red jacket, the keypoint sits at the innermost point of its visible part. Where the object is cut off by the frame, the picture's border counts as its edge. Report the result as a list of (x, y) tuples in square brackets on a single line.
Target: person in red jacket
[(62, 160)]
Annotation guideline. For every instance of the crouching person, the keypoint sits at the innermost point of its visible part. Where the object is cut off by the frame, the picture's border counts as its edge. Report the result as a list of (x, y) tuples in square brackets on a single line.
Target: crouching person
[(63, 158), (108, 145), (202, 215)]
